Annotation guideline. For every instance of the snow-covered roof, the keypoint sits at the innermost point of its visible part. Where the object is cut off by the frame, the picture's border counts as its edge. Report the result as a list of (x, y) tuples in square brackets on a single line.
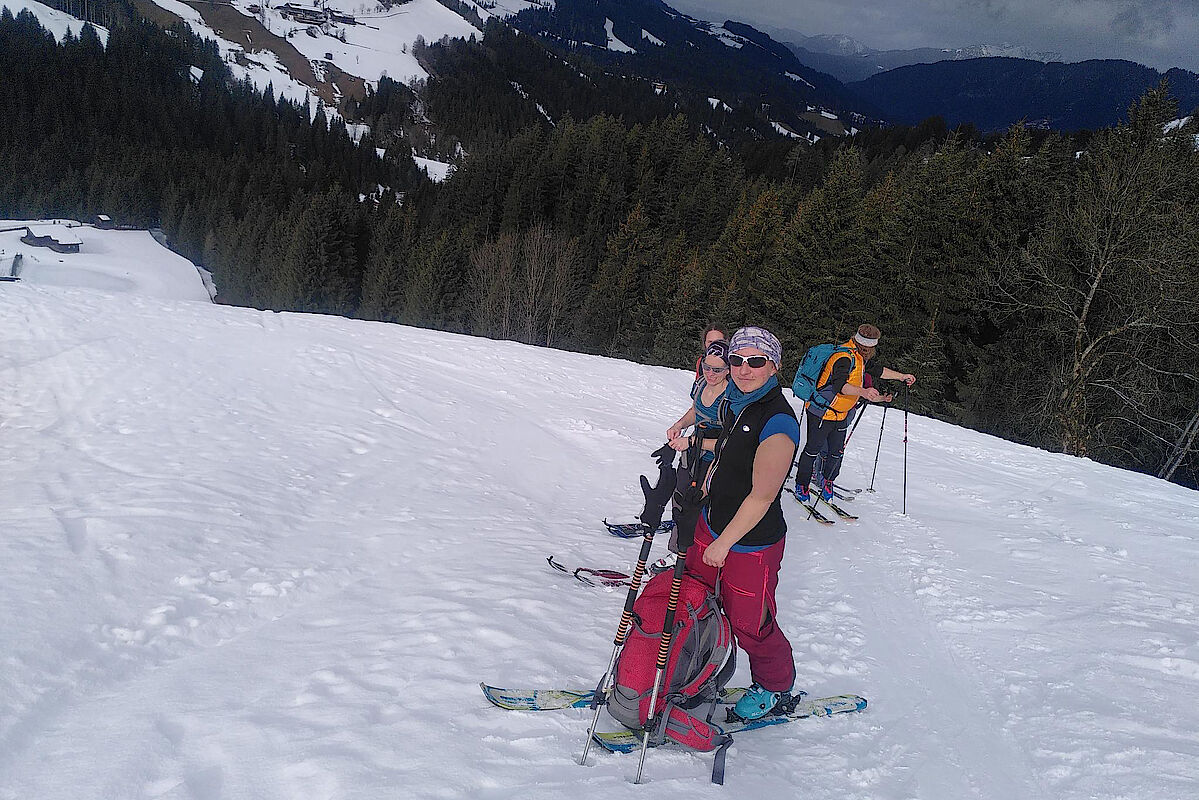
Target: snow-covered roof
[(114, 261), (785, 130), (57, 233)]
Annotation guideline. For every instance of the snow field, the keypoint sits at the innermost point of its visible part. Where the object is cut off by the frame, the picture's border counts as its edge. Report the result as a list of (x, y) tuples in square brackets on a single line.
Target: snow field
[(382, 43), (131, 263), (259, 555), (53, 20)]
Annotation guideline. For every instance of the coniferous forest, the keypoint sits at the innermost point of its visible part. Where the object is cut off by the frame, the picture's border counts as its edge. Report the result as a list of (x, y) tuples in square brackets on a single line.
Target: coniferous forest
[(1044, 287)]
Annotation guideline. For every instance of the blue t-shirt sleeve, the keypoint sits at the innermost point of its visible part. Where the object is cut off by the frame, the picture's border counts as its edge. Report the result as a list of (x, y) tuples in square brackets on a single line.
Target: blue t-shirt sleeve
[(781, 423)]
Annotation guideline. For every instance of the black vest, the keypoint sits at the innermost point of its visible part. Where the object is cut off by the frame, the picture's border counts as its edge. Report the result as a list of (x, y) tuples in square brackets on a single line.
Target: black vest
[(733, 472)]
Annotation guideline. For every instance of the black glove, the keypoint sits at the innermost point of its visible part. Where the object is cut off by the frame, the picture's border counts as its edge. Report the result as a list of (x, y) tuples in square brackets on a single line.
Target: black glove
[(656, 497), (689, 504), (665, 457)]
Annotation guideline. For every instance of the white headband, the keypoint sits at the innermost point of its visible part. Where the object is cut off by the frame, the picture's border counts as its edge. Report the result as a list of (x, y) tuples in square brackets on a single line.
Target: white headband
[(864, 341)]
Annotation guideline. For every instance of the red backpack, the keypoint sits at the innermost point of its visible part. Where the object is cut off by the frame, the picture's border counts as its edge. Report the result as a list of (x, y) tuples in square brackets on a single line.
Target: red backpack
[(702, 659)]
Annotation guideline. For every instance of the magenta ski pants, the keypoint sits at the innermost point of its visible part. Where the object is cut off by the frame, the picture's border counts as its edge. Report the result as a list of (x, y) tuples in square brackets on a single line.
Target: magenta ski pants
[(747, 586)]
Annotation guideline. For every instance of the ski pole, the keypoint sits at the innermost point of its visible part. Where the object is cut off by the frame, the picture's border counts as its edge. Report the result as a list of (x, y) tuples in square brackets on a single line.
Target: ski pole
[(879, 449), (799, 451), (845, 444), (622, 633), (796, 490), (861, 414), (906, 403), (663, 654), (656, 498)]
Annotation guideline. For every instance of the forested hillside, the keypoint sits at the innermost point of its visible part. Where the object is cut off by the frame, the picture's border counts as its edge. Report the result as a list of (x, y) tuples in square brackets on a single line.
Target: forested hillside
[(995, 93), (1041, 287)]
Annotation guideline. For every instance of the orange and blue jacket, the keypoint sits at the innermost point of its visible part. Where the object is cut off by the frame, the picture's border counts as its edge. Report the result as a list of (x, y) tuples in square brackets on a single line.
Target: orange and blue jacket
[(828, 387)]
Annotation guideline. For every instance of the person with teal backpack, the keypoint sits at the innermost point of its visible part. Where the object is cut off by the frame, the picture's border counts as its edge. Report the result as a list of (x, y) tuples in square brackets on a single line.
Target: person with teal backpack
[(831, 381)]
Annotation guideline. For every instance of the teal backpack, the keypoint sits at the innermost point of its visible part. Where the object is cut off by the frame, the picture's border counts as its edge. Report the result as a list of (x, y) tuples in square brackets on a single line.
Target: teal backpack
[(806, 379)]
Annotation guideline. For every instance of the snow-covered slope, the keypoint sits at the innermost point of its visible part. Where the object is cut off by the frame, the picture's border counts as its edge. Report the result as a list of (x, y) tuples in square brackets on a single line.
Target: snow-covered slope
[(128, 262), (505, 9), (380, 41), (267, 44), (57, 22), (249, 555)]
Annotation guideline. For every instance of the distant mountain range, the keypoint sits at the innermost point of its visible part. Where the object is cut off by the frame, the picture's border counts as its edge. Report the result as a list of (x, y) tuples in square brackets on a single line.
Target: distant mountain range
[(995, 93), (731, 63), (987, 85), (737, 79), (849, 60)]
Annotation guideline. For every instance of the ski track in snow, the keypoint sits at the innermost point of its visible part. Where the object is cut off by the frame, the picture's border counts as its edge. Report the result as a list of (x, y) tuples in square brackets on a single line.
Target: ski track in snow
[(259, 555)]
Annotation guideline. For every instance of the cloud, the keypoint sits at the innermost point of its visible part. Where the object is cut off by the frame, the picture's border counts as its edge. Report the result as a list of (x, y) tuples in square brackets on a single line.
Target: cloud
[(1144, 21)]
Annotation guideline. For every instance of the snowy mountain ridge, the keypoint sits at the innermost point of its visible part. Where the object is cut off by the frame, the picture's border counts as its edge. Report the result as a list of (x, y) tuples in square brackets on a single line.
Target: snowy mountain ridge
[(265, 556), (1001, 51), (283, 45), (844, 45)]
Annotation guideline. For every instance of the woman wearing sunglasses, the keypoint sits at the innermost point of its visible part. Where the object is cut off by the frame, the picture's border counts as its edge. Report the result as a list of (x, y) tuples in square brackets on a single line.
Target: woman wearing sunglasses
[(704, 414), (712, 333), (741, 528)]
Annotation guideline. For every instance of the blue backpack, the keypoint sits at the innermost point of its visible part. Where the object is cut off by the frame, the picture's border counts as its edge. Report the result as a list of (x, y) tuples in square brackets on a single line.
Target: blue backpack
[(806, 379)]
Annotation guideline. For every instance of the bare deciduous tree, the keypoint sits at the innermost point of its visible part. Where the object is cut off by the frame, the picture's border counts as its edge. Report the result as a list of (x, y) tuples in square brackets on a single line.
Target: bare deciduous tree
[(536, 268), (1109, 283), (493, 266), (564, 289)]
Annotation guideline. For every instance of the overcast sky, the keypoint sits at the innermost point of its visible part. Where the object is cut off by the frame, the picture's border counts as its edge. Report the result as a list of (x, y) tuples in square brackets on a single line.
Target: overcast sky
[(1160, 33)]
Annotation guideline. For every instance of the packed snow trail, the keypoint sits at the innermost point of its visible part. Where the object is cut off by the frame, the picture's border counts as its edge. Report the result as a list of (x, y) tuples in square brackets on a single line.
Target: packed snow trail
[(257, 555)]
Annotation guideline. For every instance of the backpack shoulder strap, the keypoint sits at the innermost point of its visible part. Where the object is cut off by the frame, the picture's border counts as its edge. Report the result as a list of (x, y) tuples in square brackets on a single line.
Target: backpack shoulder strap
[(840, 352)]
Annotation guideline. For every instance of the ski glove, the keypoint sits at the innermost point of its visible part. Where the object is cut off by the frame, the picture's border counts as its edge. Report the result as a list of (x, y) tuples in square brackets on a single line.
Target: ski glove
[(689, 503), (657, 496)]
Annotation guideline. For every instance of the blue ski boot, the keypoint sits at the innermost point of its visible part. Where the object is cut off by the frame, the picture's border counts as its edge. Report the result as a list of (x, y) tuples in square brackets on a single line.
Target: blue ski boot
[(803, 494), (757, 702), (826, 491)]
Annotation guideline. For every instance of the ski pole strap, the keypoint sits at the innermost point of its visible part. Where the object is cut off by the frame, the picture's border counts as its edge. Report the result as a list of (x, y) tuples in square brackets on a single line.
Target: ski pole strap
[(718, 763)]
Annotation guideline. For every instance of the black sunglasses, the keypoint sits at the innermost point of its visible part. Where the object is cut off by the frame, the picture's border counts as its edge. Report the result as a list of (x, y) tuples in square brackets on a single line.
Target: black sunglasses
[(757, 362)]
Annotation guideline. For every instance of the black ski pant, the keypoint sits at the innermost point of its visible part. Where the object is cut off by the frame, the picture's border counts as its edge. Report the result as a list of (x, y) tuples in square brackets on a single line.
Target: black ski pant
[(822, 434), (833, 470)]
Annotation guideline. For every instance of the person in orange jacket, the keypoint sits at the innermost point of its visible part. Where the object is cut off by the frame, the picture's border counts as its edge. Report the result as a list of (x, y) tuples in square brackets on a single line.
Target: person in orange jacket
[(842, 384)]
